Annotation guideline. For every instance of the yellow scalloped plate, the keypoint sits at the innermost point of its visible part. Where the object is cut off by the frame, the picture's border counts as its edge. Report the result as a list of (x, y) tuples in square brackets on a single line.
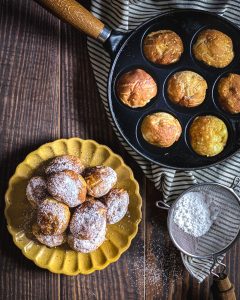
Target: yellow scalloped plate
[(62, 259)]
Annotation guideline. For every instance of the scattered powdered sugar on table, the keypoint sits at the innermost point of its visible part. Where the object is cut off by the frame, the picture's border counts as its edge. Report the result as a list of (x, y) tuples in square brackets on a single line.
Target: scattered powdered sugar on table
[(160, 267), (192, 214)]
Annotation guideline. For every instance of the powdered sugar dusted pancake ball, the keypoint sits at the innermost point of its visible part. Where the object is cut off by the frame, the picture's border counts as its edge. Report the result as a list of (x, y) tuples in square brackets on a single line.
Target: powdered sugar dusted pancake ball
[(88, 220), (86, 246), (48, 240), (63, 163), (67, 187), (53, 217), (100, 180), (116, 201), (36, 190)]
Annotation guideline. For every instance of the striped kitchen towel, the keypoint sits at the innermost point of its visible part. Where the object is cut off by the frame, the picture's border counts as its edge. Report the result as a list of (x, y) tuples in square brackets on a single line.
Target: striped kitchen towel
[(126, 15)]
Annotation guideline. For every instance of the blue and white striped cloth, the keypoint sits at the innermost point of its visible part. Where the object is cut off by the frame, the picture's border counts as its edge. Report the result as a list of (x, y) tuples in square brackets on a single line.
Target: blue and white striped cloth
[(126, 15)]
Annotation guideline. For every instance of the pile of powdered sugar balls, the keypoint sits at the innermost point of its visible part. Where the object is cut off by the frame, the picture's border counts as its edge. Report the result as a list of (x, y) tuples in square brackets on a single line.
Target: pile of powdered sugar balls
[(74, 203), (193, 213)]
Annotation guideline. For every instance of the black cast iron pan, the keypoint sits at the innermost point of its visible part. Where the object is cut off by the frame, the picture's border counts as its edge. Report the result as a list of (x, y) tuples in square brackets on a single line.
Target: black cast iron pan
[(126, 52)]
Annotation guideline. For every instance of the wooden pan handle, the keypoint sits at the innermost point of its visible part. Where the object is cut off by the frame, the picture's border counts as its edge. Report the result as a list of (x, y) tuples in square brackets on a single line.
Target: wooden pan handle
[(75, 14), (223, 289)]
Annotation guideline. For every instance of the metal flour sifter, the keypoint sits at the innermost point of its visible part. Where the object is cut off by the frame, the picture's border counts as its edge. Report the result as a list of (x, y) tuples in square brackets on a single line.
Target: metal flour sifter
[(219, 238)]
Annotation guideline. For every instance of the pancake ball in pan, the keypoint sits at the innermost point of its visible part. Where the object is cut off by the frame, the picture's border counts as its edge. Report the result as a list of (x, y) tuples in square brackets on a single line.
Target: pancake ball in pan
[(187, 88), (229, 93), (136, 88), (214, 48), (163, 47), (208, 135), (161, 129)]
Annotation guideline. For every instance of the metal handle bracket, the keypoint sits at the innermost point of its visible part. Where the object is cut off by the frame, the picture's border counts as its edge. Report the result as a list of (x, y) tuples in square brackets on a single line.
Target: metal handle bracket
[(161, 204)]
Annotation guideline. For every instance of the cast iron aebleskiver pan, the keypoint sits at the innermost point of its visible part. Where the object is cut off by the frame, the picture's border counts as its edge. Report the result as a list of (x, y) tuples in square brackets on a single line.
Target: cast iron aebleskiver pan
[(126, 52)]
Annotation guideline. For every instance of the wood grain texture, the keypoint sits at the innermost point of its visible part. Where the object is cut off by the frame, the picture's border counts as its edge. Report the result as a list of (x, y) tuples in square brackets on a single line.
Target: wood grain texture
[(75, 14), (28, 118), (47, 91)]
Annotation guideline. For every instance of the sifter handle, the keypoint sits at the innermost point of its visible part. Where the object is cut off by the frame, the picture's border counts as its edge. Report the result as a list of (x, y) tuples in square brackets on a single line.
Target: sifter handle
[(75, 14), (235, 184), (161, 204), (222, 288)]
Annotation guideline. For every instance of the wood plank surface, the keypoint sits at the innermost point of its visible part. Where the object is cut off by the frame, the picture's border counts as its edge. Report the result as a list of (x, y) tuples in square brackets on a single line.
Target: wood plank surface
[(47, 91)]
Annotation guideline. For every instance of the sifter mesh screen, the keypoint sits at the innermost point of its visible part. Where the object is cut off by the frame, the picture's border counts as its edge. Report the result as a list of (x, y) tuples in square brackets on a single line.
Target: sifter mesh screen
[(224, 229)]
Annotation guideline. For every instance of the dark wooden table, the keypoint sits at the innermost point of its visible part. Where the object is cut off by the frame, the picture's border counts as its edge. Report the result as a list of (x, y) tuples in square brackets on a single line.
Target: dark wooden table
[(47, 91)]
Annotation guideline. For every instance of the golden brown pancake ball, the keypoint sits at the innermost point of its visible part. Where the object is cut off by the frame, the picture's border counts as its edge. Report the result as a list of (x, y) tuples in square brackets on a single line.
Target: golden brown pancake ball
[(187, 88), (208, 135), (161, 129), (229, 93), (136, 88), (214, 48), (163, 47)]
